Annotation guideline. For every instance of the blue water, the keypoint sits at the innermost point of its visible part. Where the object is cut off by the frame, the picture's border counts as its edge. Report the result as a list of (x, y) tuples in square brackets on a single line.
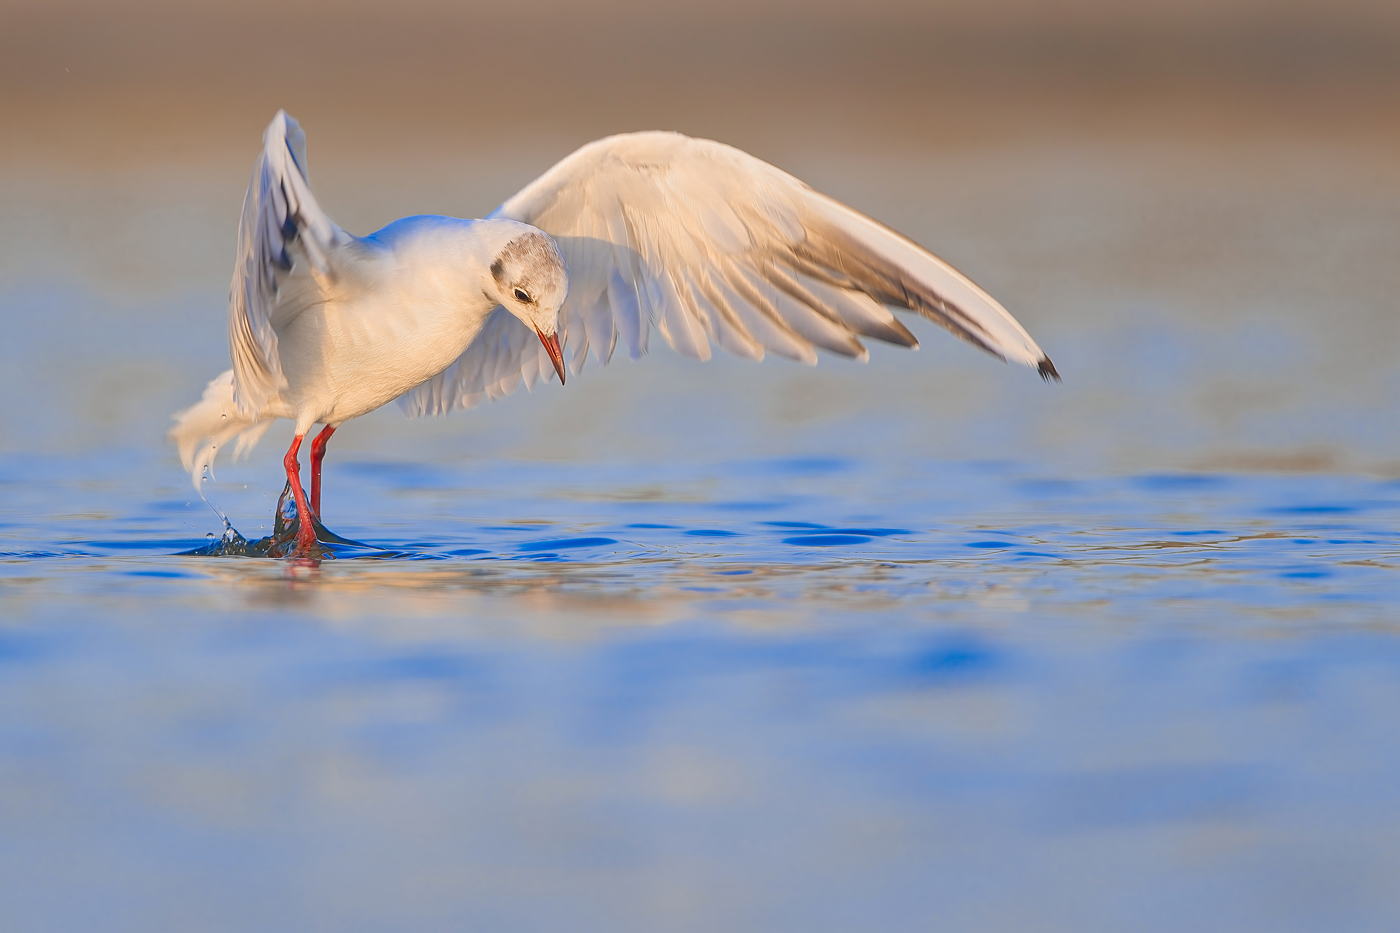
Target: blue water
[(924, 644), (748, 694)]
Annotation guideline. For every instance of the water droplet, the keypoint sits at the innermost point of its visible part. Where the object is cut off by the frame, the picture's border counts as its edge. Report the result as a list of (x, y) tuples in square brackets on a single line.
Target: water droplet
[(223, 417), (209, 536)]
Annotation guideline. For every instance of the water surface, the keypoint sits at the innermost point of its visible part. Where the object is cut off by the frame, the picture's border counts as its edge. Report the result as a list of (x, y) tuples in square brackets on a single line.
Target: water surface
[(828, 692), (922, 644)]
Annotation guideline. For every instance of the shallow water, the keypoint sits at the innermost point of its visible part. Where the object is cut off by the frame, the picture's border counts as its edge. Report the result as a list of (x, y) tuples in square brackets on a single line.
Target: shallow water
[(681, 646), (831, 693)]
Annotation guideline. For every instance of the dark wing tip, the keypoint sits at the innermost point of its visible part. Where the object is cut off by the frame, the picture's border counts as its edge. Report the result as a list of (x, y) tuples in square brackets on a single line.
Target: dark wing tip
[(1047, 370)]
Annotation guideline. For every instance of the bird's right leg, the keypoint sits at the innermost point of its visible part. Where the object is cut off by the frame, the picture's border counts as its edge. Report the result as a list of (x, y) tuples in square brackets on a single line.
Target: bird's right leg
[(306, 530), (318, 453)]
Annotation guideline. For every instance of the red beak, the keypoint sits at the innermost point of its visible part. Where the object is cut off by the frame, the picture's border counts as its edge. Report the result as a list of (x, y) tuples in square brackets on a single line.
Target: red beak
[(556, 355)]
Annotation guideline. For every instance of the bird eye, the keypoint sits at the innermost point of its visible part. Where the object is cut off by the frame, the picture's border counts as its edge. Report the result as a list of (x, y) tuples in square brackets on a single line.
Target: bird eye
[(522, 295)]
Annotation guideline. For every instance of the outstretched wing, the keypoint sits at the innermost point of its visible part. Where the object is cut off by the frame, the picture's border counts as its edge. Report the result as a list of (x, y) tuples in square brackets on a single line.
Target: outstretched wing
[(706, 243), (282, 226)]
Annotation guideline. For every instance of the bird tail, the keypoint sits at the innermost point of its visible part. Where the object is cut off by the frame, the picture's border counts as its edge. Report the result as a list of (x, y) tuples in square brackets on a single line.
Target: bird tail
[(210, 424)]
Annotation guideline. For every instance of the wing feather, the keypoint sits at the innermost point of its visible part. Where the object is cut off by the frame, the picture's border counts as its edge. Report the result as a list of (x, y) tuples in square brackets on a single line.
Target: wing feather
[(282, 229), (708, 244)]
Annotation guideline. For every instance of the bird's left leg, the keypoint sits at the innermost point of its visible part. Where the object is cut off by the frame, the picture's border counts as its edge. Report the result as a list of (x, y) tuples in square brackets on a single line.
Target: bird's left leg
[(306, 529), (318, 453)]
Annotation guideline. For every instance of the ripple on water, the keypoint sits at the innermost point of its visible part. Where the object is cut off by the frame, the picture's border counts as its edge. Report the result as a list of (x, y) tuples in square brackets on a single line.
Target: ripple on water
[(1118, 535), (564, 544), (832, 540)]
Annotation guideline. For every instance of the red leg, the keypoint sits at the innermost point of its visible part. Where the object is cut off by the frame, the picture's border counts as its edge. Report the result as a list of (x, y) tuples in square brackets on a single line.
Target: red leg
[(318, 453), (306, 532)]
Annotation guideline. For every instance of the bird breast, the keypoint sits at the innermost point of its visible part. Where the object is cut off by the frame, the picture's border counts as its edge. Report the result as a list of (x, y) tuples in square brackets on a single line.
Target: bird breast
[(363, 347)]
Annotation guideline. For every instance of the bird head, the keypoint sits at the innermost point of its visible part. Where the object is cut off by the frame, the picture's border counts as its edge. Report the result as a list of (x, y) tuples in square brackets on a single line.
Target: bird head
[(531, 282)]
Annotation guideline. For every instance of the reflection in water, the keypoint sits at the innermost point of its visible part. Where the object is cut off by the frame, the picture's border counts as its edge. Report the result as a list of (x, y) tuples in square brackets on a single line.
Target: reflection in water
[(929, 690), (1272, 547)]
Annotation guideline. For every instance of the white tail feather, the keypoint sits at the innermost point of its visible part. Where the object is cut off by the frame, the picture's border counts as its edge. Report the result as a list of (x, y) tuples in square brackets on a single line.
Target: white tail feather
[(209, 424)]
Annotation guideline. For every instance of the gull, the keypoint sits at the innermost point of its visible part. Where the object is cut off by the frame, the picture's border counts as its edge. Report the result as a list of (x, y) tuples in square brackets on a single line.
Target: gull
[(641, 232)]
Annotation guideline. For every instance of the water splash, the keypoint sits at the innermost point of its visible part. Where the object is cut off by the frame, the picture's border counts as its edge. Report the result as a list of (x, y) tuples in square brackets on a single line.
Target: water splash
[(283, 541)]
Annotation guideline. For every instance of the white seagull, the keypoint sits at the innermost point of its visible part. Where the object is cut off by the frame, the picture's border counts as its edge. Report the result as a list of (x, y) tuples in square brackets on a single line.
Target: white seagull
[(697, 239)]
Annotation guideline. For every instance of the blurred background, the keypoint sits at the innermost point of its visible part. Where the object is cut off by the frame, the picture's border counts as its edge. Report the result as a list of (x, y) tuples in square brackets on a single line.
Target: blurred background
[(1192, 206), (918, 643)]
